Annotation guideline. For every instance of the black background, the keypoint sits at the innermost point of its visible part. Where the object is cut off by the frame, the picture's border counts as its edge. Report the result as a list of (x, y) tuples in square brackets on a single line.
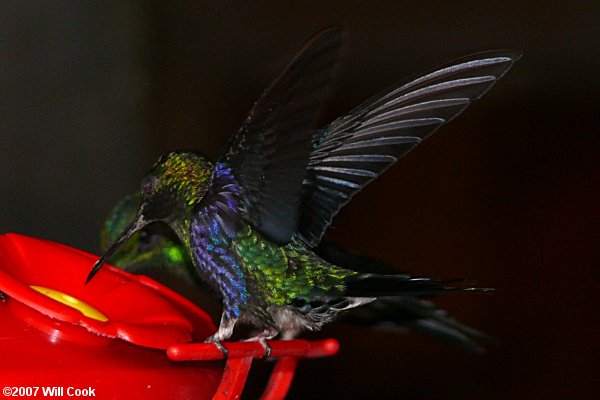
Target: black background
[(506, 195)]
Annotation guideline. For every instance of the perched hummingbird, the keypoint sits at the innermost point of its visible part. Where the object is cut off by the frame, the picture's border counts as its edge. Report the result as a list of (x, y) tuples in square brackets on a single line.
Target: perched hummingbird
[(249, 221), (156, 250)]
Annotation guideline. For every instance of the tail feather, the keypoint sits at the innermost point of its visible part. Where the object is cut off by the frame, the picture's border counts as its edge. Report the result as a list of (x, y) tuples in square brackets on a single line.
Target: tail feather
[(406, 309), (452, 332), (419, 316), (374, 285)]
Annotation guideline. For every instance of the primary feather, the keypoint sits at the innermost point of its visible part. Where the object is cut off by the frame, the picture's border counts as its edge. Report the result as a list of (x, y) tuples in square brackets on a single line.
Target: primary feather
[(356, 148)]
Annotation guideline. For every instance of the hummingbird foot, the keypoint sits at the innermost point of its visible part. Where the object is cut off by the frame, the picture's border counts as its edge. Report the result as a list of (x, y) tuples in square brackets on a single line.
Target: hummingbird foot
[(223, 349), (2, 297), (262, 338), (224, 332), (217, 342)]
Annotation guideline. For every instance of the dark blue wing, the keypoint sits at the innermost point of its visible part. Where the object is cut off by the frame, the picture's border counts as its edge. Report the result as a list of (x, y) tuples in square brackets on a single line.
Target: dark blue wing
[(358, 147), (270, 152)]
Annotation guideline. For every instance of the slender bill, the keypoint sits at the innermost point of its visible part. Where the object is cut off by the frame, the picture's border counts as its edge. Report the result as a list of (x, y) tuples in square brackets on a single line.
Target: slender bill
[(132, 228)]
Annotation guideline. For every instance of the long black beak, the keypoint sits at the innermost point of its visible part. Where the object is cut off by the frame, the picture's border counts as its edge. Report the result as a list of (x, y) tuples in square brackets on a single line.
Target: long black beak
[(132, 228)]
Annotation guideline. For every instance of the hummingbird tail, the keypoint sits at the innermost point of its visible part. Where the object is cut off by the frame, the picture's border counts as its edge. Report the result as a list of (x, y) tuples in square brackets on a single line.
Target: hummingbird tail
[(376, 278), (400, 305), (407, 312), (402, 312), (375, 285)]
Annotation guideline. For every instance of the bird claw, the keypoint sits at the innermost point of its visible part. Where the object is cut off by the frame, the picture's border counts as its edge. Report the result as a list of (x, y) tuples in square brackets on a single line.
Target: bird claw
[(267, 348), (217, 342), (223, 349), (2, 297), (262, 339), (264, 344), (224, 332)]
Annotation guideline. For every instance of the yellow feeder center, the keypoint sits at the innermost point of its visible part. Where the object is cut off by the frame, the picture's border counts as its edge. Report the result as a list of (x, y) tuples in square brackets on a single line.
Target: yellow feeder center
[(72, 302)]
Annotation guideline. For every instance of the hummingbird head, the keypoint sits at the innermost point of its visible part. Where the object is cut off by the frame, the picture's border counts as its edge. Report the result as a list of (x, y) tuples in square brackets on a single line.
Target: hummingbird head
[(174, 186), (169, 193)]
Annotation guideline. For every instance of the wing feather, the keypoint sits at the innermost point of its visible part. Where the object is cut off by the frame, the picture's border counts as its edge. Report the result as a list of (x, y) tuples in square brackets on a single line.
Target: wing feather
[(356, 148), (270, 152)]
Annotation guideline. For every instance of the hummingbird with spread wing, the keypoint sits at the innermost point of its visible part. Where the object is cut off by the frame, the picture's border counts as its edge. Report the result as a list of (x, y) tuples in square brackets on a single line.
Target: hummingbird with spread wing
[(250, 222), (157, 251)]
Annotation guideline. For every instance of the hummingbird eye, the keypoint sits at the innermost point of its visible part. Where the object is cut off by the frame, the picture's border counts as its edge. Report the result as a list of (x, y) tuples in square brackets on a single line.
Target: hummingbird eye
[(148, 186)]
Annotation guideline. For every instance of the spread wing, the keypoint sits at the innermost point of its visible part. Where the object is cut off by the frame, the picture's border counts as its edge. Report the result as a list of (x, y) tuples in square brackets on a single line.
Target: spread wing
[(270, 152), (358, 147)]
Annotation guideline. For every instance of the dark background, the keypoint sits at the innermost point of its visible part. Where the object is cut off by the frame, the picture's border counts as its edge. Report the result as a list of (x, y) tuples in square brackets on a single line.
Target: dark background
[(92, 92)]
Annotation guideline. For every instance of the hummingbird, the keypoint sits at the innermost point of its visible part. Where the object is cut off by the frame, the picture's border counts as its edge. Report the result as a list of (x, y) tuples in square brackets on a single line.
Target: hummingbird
[(251, 220), (153, 250)]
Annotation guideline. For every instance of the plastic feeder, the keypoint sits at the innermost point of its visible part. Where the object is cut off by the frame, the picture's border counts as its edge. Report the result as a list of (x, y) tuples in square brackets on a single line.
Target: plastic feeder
[(123, 335)]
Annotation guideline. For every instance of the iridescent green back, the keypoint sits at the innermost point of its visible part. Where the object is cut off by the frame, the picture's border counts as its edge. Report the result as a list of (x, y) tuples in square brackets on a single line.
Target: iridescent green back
[(282, 274)]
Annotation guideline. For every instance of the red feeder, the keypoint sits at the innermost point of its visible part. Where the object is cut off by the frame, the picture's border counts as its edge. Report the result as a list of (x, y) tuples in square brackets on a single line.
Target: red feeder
[(110, 336)]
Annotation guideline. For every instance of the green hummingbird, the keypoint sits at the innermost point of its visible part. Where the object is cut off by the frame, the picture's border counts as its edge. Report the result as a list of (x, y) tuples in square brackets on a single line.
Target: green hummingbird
[(157, 251), (250, 221)]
